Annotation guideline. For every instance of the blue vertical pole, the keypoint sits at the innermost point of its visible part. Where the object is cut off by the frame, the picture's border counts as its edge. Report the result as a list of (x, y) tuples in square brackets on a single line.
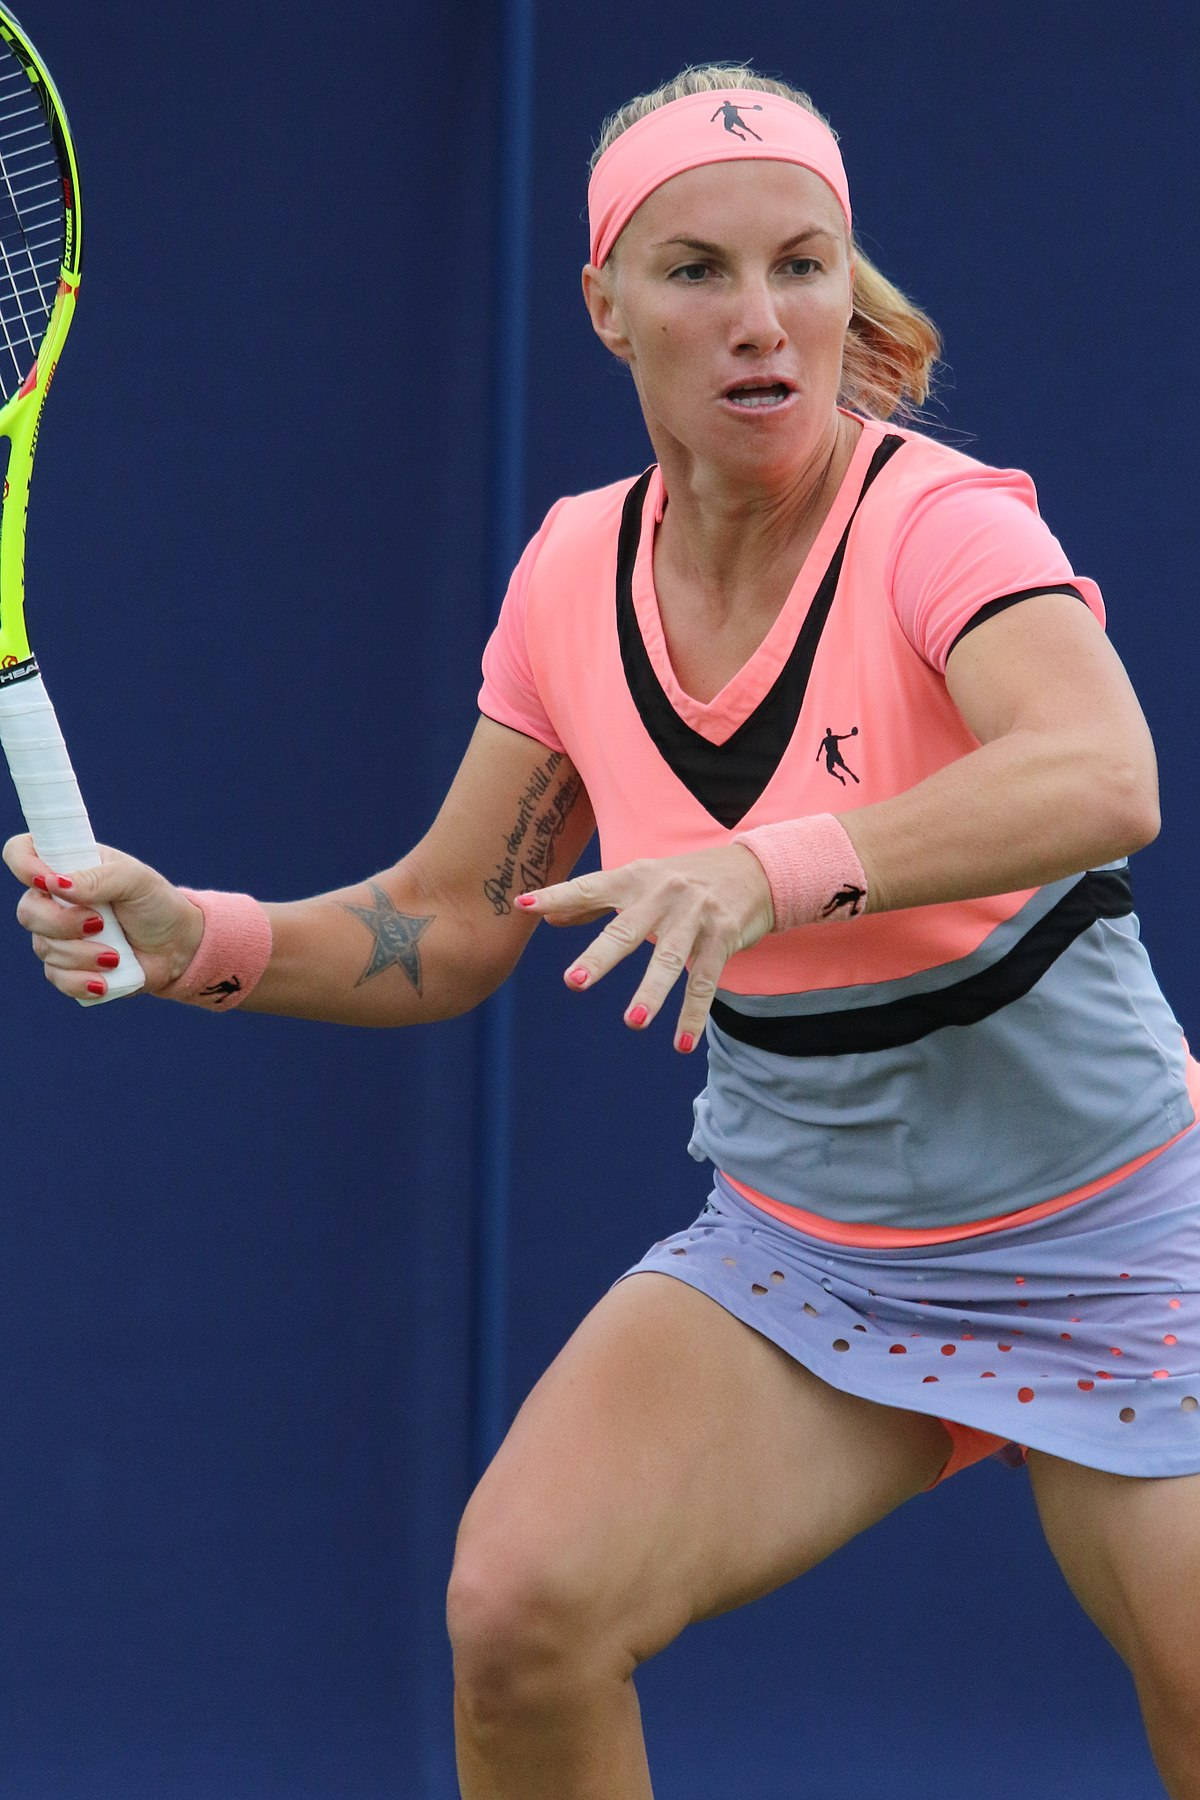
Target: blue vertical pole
[(510, 357)]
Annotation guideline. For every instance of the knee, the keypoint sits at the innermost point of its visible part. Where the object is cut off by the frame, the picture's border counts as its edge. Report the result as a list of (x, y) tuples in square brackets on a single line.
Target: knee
[(525, 1632)]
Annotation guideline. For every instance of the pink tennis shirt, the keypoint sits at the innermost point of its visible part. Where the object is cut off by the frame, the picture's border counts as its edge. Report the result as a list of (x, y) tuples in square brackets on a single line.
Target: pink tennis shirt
[(992, 1055)]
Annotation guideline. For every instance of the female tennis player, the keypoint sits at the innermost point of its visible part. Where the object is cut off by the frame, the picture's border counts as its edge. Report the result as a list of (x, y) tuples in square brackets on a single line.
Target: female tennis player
[(866, 775)]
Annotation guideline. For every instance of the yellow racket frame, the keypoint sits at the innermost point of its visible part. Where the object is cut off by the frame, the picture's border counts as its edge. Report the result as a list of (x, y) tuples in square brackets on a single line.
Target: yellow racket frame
[(21, 416), (33, 743)]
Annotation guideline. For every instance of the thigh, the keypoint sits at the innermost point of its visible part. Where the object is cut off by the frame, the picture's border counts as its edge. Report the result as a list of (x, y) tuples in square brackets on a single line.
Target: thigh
[(672, 1463), (1129, 1549)]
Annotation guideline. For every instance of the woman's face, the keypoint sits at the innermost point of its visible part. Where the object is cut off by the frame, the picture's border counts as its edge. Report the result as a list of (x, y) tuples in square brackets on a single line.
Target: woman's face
[(728, 295)]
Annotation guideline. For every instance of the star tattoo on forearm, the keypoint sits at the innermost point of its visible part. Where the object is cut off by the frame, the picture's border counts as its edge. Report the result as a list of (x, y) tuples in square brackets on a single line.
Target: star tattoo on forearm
[(396, 937)]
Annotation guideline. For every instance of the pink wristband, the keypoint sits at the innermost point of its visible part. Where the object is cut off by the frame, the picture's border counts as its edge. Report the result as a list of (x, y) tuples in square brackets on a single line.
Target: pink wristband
[(812, 869), (231, 955)]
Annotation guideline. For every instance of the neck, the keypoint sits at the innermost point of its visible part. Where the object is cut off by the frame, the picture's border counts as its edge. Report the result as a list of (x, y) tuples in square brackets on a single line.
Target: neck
[(726, 536)]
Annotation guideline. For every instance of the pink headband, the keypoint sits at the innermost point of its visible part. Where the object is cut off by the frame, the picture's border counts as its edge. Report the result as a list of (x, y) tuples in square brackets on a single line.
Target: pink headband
[(732, 126)]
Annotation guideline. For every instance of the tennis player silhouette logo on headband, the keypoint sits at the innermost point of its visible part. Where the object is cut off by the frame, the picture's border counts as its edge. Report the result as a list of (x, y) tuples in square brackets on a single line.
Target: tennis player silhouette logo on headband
[(732, 114), (831, 751)]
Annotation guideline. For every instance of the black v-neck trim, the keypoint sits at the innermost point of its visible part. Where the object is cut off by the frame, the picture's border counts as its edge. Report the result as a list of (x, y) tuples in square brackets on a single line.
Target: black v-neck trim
[(726, 778)]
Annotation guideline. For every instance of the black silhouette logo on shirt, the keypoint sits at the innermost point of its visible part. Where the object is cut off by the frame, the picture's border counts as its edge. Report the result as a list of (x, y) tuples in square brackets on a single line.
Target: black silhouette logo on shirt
[(734, 122), (834, 760)]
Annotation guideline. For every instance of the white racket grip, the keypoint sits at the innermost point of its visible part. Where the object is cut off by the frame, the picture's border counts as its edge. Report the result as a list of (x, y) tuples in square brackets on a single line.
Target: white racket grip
[(55, 813)]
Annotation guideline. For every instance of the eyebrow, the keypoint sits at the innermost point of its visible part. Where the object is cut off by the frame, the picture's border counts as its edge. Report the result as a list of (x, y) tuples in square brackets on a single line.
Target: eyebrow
[(689, 243)]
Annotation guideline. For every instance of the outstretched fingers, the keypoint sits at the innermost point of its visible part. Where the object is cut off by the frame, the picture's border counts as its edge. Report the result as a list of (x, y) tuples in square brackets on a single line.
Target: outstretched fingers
[(696, 911), (637, 916), (702, 965)]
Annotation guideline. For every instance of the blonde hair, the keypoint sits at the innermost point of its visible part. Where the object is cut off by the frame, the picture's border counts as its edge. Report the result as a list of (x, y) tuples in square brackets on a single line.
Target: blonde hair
[(891, 347)]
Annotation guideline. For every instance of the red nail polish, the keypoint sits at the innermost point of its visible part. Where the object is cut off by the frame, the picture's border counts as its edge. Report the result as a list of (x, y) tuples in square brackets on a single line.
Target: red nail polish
[(578, 978), (39, 881), (97, 987), (108, 959), (526, 900), (64, 882), (687, 1042), (637, 1015), (93, 925)]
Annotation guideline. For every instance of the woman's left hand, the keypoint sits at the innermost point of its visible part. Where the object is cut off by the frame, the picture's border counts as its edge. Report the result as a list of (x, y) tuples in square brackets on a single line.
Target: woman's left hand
[(698, 910)]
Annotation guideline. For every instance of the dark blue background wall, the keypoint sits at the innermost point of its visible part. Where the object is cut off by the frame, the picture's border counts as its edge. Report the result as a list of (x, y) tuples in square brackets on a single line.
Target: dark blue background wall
[(312, 401)]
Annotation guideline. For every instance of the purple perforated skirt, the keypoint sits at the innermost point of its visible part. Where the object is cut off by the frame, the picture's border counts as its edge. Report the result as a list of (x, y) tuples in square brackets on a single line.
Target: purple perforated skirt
[(1078, 1335)]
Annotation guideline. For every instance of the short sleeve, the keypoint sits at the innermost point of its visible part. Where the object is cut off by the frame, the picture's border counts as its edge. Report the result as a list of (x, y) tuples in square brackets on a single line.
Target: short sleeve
[(971, 548), (509, 694)]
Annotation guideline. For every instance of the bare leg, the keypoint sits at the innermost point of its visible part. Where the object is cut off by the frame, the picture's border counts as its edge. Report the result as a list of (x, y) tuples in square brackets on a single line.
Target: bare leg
[(1130, 1551), (593, 1750), (671, 1464)]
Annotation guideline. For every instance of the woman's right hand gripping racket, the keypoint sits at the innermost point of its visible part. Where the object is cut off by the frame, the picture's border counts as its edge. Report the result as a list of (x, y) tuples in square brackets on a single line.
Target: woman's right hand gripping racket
[(39, 279)]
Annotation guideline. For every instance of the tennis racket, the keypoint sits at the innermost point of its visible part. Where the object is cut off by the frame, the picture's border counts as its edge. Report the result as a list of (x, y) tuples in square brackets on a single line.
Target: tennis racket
[(39, 281)]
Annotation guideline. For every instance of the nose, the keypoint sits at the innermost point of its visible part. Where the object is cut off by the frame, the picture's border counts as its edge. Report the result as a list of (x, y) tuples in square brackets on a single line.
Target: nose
[(756, 325)]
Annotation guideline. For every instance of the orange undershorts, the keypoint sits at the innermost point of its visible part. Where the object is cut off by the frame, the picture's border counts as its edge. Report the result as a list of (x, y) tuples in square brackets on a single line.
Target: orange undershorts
[(969, 1445)]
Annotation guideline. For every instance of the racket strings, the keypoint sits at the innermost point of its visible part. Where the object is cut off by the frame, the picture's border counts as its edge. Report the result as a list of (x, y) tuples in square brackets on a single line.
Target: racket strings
[(32, 223)]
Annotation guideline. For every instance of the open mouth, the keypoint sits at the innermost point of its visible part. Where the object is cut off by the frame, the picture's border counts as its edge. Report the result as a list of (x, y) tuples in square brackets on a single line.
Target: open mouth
[(757, 395)]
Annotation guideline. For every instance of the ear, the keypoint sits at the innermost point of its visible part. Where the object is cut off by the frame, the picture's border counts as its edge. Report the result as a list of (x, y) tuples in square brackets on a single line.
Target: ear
[(604, 310)]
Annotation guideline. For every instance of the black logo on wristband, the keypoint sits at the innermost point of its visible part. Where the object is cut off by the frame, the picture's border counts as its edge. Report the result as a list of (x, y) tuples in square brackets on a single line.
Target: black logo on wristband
[(851, 898), (221, 990)]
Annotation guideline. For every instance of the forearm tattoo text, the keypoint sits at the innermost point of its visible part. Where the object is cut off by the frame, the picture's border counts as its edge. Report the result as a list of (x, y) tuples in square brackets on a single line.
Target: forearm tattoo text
[(528, 849)]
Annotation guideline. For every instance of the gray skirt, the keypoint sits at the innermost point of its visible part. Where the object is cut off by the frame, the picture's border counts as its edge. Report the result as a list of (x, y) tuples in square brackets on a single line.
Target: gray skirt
[(1078, 1335)]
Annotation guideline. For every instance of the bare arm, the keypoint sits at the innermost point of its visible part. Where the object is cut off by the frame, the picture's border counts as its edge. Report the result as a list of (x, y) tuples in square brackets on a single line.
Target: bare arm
[(1065, 776), (425, 939), (438, 932)]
